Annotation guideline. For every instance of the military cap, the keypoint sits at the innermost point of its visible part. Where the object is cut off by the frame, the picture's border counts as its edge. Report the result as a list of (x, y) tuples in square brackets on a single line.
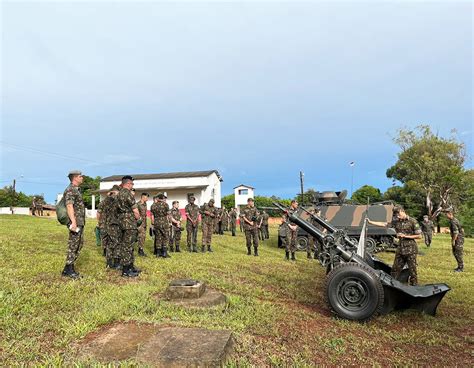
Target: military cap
[(397, 209), (250, 200), (192, 198), (127, 177), (212, 200), (74, 172), (161, 196)]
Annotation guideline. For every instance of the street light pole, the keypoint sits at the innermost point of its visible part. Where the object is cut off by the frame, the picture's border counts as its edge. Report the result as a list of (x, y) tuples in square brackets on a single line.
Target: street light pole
[(352, 163)]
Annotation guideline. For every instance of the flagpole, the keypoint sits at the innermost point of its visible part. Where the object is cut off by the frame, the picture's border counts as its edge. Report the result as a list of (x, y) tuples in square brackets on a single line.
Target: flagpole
[(352, 163)]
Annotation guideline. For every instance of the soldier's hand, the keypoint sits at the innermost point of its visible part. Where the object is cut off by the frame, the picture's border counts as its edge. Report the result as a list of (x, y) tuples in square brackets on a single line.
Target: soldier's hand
[(400, 235)]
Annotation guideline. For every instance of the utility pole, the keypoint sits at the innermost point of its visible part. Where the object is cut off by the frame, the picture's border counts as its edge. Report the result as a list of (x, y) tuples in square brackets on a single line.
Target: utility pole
[(352, 163), (302, 187)]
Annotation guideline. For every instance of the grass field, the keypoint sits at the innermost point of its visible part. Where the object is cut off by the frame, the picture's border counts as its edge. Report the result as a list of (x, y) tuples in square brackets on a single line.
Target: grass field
[(276, 308)]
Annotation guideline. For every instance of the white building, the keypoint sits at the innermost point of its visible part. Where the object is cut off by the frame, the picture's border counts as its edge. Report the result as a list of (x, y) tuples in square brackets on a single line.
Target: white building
[(178, 186), (241, 194)]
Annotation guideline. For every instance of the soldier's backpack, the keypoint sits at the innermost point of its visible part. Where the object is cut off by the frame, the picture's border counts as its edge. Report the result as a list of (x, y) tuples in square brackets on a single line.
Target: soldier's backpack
[(61, 212)]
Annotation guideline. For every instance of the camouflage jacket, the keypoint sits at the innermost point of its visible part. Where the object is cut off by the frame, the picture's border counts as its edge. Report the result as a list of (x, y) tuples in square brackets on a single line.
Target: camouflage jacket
[(233, 215), (161, 211), (455, 228), (74, 197), (192, 211), (251, 214), (176, 214), (142, 208), (125, 206), (427, 226), (408, 226), (207, 219), (102, 213), (108, 213), (225, 216), (265, 217)]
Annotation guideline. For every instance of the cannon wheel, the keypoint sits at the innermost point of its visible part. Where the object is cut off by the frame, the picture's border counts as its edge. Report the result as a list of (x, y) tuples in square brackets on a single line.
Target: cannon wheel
[(354, 292), (370, 245), (302, 243)]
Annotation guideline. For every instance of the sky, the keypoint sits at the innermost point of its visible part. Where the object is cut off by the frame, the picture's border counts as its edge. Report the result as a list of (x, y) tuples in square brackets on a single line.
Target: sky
[(259, 91)]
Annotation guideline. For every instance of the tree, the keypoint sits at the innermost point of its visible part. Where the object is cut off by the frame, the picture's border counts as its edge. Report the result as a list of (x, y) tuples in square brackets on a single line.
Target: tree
[(432, 164), (466, 200), (309, 197), (228, 201), (367, 191), (409, 197), (10, 198), (88, 186)]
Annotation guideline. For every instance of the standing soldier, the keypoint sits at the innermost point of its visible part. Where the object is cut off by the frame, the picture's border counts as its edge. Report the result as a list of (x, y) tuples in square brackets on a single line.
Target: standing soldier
[(39, 206), (109, 227), (209, 216), (76, 212), (261, 235), (457, 239), (291, 231), (408, 231), (233, 220), (192, 223), (217, 221), (224, 220), (427, 227), (265, 217), (241, 222), (33, 206), (161, 225), (129, 220), (142, 209), (250, 217), (175, 227)]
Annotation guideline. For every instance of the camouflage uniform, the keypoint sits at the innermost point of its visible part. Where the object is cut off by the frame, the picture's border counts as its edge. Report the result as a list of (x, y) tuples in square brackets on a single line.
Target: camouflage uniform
[(290, 237), (251, 231), (261, 233), (217, 222), (265, 217), (161, 226), (407, 248), (76, 239), (110, 230), (128, 226), (455, 228), (427, 227), (142, 209), (224, 221), (233, 220), (192, 211), (175, 235), (208, 224), (100, 229)]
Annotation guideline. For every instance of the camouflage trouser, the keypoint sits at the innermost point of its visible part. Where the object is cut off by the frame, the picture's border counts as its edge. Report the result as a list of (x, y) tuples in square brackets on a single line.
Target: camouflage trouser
[(233, 227), (112, 242), (141, 236), (175, 237), (162, 237), (290, 241), (207, 229), (74, 245), (191, 234), (458, 249), (428, 238), (265, 231), (399, 263), (128, 237), (241, 225), (261, 233), (251, 236)]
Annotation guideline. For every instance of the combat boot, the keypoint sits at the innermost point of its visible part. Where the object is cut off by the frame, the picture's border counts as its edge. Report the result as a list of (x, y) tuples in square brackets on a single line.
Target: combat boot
[(255, 251), (249, 251), (177, 249), (68, 272), (308, 255), (110, 263), (165, 253), (293, 256), (287, 256), (104, 253), (134, 269), (116, 265), (209, 249), (141, 252), (171, 248), (203, 249), (195, 249), (128, 272)]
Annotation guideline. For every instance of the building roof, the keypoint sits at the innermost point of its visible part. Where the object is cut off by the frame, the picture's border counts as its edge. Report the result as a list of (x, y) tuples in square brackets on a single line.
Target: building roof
[(174, 175), (243, 185), (153, 189)]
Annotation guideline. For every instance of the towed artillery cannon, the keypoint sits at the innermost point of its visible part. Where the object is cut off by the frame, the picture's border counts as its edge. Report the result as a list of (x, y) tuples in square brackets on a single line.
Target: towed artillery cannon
[(359, 285)]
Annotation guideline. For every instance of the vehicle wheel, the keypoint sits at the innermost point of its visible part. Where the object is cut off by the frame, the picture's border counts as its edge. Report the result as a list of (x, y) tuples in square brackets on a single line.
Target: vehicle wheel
[(370, 245), (354, 292), (302, 243)]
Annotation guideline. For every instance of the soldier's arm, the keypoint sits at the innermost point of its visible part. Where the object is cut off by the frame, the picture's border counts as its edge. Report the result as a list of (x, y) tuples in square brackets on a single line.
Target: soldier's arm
[(71, 215), (377, 223)]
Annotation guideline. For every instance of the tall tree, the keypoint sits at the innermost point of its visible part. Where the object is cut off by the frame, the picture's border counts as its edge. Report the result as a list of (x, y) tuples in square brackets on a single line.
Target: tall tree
[(366, 191), (432, 164), (87, 187)]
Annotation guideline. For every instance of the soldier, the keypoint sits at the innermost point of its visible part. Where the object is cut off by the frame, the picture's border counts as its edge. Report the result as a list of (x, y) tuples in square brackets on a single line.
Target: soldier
[(192, 224), (408, 231), (224, 220), (39, 206), (33, 206), (261, 234), (129, 220), (241, 223), (265, 217), (233, 220), (176, 229), (427, 227), (217, 221), (109, 227), (291, 231), (314, 244), (457, 239), (77, 219), (142, 209), (160, 213), (209, 216), (250, 218)]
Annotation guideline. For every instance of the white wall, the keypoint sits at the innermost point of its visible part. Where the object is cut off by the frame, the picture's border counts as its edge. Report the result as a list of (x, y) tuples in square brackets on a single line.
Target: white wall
[(241, 200), (16, 211)]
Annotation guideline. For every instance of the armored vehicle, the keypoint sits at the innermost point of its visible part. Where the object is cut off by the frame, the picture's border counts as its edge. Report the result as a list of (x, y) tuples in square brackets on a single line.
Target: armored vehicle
[(359, 285), (350, 218)]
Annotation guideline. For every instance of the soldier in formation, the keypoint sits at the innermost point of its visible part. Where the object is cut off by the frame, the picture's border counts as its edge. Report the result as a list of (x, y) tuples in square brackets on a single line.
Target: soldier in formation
[(209, 216), (265, 217), (110, 228), (250, 217), (33, 206), (457, 239), (233, 220), (160, 213), (261, 234), (224, 220), (175, 235), (142, 209), (427, 227), (291, 232), (192, 224), (76, 212), (408, 231)]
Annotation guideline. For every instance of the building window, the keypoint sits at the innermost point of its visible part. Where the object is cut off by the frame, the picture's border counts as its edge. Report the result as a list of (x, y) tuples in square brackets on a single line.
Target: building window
[(243, 191)]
